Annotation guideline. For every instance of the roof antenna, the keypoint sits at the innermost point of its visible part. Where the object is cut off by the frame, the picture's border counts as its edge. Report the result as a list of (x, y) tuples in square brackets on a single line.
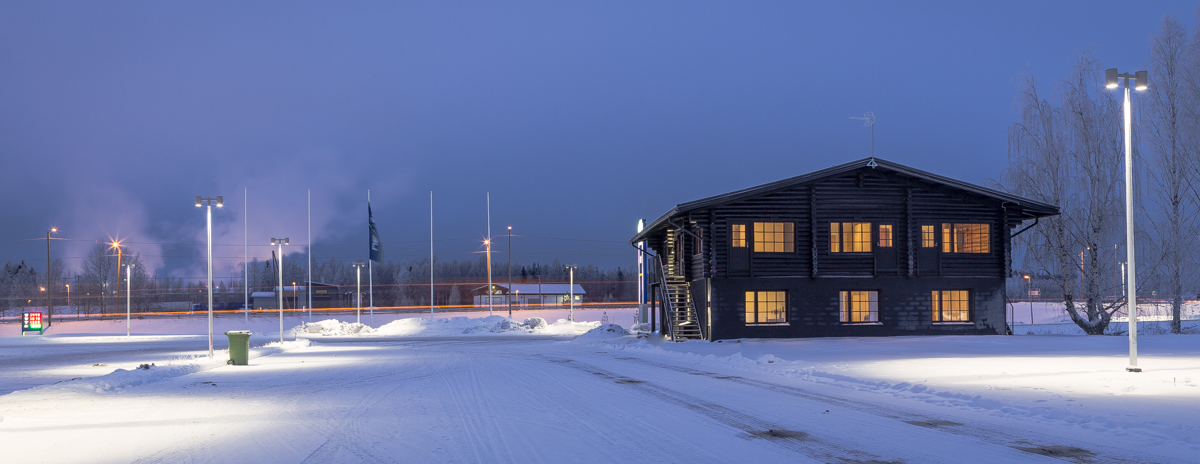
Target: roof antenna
[(868, 119)]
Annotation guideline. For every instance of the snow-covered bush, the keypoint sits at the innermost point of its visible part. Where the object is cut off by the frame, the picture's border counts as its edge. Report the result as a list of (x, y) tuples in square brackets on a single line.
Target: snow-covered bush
[(534, 323)]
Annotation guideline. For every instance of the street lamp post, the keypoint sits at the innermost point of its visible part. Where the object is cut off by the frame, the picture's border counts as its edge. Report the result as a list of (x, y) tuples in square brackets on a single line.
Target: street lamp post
[(202, 201), (1029, 295), (49, 281), (280, 242), (571, 313), (358, 265), (509, 296), (128, 297), (69, 298), (488, 243), (1141, 80)]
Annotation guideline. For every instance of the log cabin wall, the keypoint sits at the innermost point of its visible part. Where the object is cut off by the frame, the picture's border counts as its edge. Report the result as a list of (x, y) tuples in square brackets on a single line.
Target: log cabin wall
[(904, 275)]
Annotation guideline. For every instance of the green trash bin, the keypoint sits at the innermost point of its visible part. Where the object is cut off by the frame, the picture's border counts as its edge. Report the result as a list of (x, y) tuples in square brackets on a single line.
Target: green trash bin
[(239, 347)]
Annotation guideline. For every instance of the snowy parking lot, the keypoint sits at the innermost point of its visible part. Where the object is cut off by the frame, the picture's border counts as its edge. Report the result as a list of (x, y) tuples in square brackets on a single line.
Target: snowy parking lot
[(443, 394)]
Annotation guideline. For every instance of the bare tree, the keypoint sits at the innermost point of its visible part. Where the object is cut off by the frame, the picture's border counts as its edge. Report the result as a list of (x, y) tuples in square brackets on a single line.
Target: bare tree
[(1069, 155), (1173, 163)]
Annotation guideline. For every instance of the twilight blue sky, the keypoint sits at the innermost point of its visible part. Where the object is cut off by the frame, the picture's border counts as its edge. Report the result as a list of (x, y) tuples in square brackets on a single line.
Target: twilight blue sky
[(578, 117)]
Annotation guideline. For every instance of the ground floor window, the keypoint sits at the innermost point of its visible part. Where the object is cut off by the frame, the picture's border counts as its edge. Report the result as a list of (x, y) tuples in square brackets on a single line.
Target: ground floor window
[(951, 306), (769, 307), (860, 306)]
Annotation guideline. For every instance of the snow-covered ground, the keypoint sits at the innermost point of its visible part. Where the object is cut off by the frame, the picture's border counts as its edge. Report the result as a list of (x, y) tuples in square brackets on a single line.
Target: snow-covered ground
[(422, 391)]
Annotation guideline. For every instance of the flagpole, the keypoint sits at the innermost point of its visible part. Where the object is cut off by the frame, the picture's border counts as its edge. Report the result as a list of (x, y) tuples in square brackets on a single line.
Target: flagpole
[(370, 273), (246, 262), (489, 251), (431, 255), (308, 286)]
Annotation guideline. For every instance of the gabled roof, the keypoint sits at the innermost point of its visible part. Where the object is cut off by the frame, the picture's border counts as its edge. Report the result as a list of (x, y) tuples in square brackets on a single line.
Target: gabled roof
[(1030, 209)]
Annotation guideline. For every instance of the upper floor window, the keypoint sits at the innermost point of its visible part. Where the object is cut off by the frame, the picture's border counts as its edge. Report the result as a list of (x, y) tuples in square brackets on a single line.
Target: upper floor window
[(774, 237), (850, 237), (965, 238), (698, 243), (859, 305), (928, 237), (766, 307), (737, 234), (885, 235), (951, 306)]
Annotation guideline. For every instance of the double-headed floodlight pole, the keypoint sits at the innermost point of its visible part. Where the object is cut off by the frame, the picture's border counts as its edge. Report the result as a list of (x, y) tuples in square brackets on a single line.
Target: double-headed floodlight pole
[(358, 265), (202, 201), (280, 242), (128, 298), (1141, 80)]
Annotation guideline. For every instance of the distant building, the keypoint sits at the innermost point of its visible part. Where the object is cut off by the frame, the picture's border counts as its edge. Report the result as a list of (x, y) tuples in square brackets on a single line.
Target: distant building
[(866, 248), (529, 295)]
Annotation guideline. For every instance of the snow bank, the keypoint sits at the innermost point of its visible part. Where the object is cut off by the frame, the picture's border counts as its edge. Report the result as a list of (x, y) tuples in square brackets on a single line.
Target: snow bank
[(122, 379), (604, 332), (332, 327), (449, 327)]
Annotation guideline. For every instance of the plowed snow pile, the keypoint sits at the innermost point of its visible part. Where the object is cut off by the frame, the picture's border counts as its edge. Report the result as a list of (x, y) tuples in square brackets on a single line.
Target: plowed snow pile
[(604, 332), (457, 326)]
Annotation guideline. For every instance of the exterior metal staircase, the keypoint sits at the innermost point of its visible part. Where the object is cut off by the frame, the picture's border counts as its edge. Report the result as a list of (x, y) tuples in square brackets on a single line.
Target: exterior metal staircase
[(676, 294)]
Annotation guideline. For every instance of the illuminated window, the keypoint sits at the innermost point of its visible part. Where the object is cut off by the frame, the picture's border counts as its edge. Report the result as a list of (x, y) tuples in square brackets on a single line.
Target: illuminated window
[(850, 237), (951, 306), (946, 243), (965, 238), (774, 237), (766, 307), (737, 233), (928, 237), (885, 235), (860, 306)]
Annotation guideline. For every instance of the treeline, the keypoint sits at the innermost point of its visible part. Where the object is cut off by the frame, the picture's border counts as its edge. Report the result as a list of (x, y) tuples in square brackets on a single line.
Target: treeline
[(100, 289), (1068, 150)]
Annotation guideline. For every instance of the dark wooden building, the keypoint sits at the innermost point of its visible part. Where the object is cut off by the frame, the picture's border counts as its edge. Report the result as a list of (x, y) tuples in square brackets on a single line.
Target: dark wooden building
[(868, 248)]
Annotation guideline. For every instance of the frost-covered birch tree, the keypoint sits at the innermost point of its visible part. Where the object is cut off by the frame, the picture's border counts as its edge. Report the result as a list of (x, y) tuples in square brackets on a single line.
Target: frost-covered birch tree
[(1069, 154), (1170, 134)]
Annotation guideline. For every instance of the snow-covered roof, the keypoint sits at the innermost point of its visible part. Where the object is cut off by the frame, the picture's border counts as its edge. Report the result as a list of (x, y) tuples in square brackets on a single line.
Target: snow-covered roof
[(536, 289), (262, 295)]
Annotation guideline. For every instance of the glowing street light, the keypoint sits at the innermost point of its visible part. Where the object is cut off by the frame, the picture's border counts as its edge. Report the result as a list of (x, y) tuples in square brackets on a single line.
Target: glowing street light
[(1029, 295), (202, 201), (1141, 81), (280, 242), (571, 314), (358, 265)]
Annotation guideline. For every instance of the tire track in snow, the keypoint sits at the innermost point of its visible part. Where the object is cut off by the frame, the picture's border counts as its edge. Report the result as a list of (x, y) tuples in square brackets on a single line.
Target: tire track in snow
[(797, 441), (463, 399), (994, 434)]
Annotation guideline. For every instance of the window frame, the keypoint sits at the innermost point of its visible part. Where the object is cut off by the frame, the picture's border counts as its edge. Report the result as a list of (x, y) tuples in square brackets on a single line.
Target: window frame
[(890, 237), (738, 238), (845, 298), (757, 303), (759, 234), (938, 312), (838, 234), (929, 236), (950, 235)]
